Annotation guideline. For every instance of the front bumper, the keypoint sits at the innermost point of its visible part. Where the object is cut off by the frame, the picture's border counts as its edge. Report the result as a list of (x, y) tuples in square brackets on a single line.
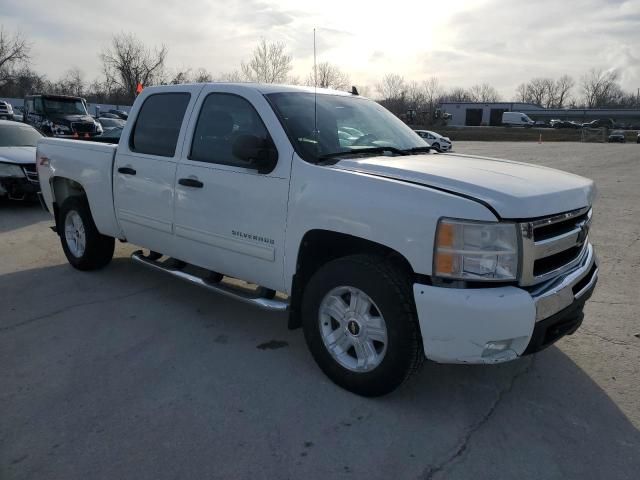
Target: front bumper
[(18, 188), (492, 325)]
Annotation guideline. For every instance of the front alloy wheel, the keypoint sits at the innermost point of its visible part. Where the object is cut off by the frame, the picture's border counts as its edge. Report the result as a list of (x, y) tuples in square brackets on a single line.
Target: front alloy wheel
[(353, 329)]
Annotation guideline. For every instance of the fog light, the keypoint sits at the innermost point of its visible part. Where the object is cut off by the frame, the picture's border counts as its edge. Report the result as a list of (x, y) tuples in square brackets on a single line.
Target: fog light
[(496, 347)]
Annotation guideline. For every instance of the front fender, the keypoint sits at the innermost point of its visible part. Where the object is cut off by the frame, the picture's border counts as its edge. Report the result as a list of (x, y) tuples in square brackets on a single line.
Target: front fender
[(396, 214)]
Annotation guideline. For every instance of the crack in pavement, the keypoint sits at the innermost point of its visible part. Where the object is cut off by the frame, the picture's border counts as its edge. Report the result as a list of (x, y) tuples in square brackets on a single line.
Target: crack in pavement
[(75, 305), (462, 447), (607, 339)]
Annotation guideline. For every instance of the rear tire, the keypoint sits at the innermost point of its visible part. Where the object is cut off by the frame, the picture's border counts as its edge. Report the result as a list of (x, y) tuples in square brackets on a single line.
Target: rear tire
[(84, 247), (386, 332)]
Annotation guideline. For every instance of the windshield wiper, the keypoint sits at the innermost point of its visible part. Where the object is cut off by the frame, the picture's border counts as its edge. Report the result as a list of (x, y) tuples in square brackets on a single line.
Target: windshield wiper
[(359, 151), (426, 148)]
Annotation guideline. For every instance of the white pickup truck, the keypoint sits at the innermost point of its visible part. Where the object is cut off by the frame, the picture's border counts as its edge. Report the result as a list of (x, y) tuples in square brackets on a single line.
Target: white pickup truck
[(328, 206)]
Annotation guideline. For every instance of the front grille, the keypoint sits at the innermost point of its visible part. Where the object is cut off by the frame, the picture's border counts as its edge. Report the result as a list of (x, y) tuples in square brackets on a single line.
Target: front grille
[(556, 261), (31, 172), (83, 127), (553, 245), (551, 230)]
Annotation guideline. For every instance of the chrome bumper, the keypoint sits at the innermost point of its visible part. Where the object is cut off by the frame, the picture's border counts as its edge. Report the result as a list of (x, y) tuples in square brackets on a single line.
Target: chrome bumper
[(560, 292)]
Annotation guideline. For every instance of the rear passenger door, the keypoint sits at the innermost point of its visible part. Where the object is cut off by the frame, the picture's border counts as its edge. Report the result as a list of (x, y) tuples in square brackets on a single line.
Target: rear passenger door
[(229, 217), (145, 167)]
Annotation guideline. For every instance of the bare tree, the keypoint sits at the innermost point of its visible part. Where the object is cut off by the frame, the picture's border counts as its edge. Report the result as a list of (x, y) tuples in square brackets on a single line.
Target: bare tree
[(416, 98), (129, 62), (269, 63), (72, 83), (563, 85), (202, 75), (598, 86), (433, 93), (180, 77), (392, 86), (484, 93), (458, 94), (235, 77), (522, 93), (328, 75), (14, 50)]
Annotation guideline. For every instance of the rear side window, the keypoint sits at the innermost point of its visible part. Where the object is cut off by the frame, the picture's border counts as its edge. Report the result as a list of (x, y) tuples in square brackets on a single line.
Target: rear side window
[(158, 124)]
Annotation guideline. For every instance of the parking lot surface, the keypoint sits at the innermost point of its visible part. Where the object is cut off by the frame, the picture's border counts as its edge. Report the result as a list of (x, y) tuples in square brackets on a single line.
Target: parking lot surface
[(126, 373)]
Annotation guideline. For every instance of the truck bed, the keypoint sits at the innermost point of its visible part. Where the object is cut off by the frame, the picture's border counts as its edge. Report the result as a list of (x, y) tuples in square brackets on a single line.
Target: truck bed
[(88, 163)]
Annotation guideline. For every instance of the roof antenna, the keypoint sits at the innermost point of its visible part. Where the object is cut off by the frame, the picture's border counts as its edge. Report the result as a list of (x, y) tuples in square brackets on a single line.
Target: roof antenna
[(315, 92), (354, 90)]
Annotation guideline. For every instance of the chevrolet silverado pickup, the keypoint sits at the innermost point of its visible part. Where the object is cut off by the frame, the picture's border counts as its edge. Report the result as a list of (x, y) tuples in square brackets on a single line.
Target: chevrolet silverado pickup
[(327, 206)]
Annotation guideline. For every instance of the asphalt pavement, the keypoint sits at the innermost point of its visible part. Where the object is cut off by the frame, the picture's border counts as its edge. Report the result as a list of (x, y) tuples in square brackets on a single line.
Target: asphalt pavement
[(125, 373)]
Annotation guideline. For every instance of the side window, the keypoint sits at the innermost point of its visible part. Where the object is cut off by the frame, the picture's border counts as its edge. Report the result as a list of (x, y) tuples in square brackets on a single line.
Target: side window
[(28, 105), (39, 108), (158, 124), (223, 117)]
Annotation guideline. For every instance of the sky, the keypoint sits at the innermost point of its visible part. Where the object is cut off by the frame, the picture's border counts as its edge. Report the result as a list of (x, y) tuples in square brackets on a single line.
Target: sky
[(462, 42)]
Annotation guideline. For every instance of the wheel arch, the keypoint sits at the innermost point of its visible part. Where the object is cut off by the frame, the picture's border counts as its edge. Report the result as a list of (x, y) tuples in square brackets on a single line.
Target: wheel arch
[(319, 246), (63, 188)]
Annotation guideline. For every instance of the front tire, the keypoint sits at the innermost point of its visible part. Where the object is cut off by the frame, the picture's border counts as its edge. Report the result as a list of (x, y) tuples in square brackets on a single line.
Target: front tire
[(360, 324), (436, 146), (84, 247)]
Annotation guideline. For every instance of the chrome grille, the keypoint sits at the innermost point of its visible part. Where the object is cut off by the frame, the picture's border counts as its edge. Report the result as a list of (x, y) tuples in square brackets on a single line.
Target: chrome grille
[(553, 245), (31, 173)]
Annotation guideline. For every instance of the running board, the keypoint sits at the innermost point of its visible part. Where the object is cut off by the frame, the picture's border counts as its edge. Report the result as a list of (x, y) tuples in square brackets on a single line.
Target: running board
[(237, 294)]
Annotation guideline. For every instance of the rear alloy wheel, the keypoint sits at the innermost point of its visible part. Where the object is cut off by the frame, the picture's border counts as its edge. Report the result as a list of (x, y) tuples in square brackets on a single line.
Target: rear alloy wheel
[(360, 324), (83, 245)]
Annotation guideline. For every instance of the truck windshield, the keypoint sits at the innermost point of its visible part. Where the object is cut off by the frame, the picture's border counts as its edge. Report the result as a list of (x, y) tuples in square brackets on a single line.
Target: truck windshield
[(64, 106), (345, 124)]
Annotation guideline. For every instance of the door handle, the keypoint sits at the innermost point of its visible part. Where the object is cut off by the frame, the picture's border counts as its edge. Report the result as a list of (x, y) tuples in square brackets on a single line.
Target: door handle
[(127, 170), (191, 182)]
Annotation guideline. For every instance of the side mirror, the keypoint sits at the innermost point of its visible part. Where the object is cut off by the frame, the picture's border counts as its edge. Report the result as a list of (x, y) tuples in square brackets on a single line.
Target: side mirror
[(261, 153)]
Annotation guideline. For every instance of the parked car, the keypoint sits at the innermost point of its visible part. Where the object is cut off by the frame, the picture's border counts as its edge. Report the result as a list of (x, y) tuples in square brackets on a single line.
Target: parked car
[(6, 110), (18, 114), (516, 119), (541, 124), (600, 123), (18, 176), (616, 136), (120, 114), (111, 135), (108, 123), (383, 251), (108, 115), (565, 124), (435, 140), (60, 116), (638, 139)]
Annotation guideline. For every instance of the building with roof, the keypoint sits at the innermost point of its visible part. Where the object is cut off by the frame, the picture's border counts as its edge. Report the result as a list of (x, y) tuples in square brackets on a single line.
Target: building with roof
[(490, 114)]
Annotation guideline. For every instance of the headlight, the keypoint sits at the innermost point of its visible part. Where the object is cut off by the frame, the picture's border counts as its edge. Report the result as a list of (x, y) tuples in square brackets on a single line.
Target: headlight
[(61, 128), (469, 250), (9, 170)]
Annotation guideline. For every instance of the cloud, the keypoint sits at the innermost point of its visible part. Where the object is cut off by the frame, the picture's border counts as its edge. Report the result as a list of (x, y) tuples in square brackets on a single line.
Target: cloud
[(502, 43)]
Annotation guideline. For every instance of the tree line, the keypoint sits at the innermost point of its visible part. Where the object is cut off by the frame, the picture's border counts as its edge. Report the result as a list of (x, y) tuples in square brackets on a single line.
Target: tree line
[(127, 62)]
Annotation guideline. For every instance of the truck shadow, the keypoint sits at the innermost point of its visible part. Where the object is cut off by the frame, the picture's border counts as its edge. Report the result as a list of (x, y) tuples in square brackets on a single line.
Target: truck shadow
[(145, 357), (18, 214)]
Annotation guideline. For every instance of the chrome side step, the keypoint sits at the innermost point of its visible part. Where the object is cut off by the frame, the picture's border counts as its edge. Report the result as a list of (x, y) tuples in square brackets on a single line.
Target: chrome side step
[(237, 294)]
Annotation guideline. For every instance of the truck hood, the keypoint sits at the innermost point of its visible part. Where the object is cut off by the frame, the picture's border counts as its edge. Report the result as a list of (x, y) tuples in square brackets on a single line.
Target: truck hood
[(67, 120), (514, 190), (18, 155)]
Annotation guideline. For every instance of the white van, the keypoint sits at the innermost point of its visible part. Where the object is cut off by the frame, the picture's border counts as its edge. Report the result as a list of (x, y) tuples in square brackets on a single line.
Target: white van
[(515, 119)]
